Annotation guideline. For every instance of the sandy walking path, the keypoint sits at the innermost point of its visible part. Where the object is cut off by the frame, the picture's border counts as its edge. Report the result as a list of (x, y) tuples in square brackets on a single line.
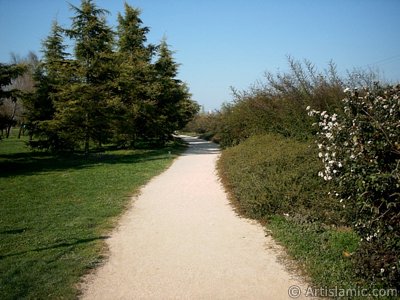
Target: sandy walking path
[(182, 240)]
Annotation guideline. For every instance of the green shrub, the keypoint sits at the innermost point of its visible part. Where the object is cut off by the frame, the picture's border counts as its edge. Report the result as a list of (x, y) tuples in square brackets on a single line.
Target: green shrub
[(205, 125), (270, 174), (277, 104), (360, 150)]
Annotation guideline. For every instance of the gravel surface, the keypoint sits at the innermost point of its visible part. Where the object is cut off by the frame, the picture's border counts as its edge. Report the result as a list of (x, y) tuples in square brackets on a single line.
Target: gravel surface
[(181, 239)]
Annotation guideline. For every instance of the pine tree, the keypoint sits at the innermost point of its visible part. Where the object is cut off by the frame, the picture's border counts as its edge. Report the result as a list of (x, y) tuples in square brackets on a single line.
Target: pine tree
[(135, 77), (84, 104), (49, 76), (174, 105), (132, 35), (107, 89), (54, 52)]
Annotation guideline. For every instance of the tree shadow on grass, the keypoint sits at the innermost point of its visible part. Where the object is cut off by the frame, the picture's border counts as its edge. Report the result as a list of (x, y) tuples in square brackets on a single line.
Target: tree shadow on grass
[(14, 231), (35, 162), (55, 246)]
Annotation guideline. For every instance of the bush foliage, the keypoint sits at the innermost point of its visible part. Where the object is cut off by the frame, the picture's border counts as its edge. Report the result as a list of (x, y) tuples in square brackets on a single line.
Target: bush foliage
[(360, 150), (276, 105), (270, 174)]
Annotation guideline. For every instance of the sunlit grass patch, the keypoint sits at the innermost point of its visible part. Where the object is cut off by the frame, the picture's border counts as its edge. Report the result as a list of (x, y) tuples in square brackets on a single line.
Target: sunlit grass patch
[(56, 213)]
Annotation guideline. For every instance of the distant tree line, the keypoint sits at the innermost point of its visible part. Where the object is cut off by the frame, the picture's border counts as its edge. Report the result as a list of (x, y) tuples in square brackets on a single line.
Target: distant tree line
[(115, 88), (9, 96)]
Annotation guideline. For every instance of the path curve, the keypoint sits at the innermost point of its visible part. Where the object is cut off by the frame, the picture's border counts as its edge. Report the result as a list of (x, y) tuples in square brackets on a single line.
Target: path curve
[(182, 240)]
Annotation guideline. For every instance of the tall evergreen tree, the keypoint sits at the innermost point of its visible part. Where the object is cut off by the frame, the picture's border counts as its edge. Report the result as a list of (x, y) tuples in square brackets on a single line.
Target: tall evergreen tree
[(174, 105), (54, 52), (50, 76), (132, 35), (101, 93), (135, 78), (84, 105)]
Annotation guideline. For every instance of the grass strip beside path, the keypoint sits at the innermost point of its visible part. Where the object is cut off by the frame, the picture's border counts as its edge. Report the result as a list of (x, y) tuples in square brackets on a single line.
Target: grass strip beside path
[(56, 213)]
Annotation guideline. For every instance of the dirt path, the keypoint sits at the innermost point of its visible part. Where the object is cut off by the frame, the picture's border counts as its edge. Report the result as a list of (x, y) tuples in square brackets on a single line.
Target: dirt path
[(182, 240)]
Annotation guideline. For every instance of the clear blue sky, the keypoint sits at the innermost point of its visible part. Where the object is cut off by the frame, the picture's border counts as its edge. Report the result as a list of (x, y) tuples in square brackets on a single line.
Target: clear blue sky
[(223, 43)]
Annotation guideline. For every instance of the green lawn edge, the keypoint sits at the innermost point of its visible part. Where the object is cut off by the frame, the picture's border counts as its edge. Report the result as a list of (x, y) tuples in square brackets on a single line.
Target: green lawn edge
[(57, 212)]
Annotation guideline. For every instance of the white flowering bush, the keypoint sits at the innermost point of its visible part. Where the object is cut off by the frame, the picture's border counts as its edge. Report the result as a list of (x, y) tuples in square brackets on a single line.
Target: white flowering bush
[(360, 151)]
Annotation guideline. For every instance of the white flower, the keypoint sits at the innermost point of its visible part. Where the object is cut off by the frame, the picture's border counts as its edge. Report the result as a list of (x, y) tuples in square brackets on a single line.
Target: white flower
[(382, 270), (320, 154), (346, 90), (308, 107)]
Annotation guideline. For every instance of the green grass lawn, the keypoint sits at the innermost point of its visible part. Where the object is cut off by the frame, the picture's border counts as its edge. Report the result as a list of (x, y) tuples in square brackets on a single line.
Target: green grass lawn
[(57, 212), (323, 252)]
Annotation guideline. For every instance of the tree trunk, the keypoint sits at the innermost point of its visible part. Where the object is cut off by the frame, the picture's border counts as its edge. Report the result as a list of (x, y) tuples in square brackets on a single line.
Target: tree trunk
[(12, 118), (21, 130), (87, 136), (8, 130), (87, 141)]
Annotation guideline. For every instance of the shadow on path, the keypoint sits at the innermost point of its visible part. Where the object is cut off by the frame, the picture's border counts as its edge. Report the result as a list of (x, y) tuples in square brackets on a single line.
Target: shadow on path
[(199, 146)]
